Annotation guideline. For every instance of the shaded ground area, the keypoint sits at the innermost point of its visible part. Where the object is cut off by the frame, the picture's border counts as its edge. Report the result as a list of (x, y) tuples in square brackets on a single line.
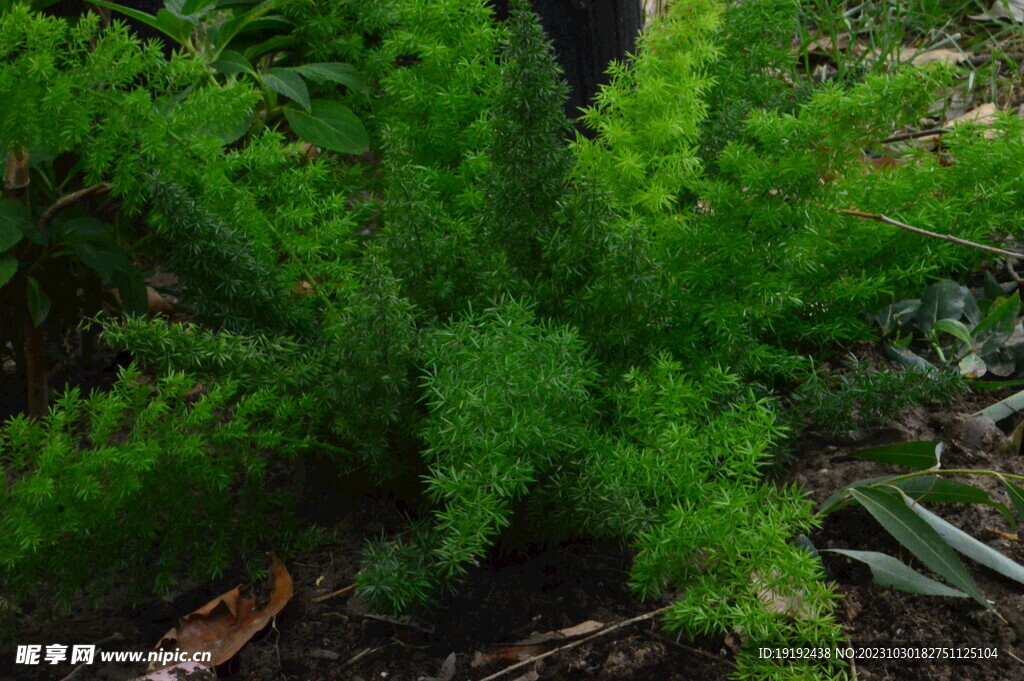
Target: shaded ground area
[(873, 616), (323, 635)]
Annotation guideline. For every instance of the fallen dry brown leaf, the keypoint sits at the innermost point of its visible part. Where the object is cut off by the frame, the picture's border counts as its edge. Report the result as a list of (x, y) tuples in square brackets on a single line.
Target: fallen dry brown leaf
[(982, 115), (225, 624), (781, 598), (1002, 9), (941, 55)]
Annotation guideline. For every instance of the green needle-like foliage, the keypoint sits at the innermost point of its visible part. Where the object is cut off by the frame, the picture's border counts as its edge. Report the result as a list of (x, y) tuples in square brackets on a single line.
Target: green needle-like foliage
[(548, 336), (174, 466), (530, 160), (508, 401)]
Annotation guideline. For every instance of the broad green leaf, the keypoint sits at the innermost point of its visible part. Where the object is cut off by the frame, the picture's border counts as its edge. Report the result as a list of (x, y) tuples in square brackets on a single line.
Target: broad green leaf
[(891, 573), (195, 8), (943, 300), (84, 229), (968, 545), (227, 31), (1005, 408), (1016, 495), (271, 44), (920, 455), (1002, 317), (954, 328), (897, 315), (15, 223), (909, 359), (333, 72), (330, 125), (290, 84), (38, 301), (175, 7), (232, 63), (178, 28), (271, 23), (106, 259), (8, 266), (992, 289), (918, 537)]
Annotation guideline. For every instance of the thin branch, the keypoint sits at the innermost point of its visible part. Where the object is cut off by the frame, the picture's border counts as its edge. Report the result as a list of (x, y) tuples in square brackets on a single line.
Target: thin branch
[(363, 653), (321, 599), (690, 650), (1013, 272), (603, 632), (903, 136), (924, 232), (116, 637), (1008, 536), (68, 199)]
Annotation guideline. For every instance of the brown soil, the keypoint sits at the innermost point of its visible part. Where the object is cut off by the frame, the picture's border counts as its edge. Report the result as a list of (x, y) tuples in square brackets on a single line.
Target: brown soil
[(532, 590)]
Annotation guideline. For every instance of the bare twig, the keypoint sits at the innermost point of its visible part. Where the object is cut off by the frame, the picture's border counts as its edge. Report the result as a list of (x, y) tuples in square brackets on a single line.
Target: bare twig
[(924, 232), (603, 632), (76, 672), (116, 637), (68, 199), (321, 599), (363, 653), (903, 136), (1008, 536), (710, 657), (1013, 272)]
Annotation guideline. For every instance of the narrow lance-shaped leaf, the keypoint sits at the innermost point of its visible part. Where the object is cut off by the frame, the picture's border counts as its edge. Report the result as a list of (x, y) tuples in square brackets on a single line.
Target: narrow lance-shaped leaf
[(1014, 404), (968, 545), (889, 572), (918, 538), (1016, 495), (173, 27), (919, 455), (942, 490), (945, 491), (922, 488), (837, 498)]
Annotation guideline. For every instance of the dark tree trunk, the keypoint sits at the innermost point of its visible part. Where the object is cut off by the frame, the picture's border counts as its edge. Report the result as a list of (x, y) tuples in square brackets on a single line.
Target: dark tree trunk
[(588, 35)]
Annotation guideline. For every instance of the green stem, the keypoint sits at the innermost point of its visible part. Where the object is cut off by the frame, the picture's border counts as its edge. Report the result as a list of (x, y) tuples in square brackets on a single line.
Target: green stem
[(952, 471)]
